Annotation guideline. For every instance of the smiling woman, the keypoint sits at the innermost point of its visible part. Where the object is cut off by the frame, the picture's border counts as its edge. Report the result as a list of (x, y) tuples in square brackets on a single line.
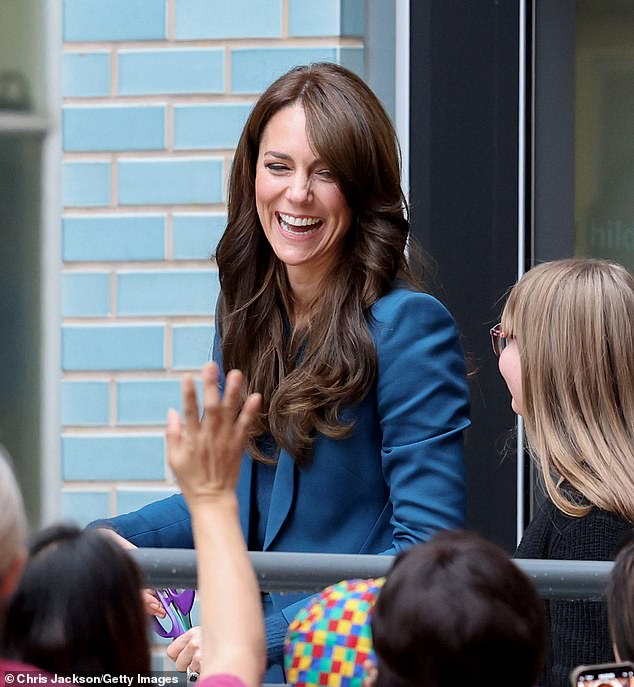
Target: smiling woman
[(359, 445)]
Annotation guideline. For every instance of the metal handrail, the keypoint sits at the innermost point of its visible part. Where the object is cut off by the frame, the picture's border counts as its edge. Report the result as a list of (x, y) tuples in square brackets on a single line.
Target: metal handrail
[(311, 572)]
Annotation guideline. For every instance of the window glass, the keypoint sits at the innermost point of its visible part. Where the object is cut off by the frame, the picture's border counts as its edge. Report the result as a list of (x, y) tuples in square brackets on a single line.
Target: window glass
[(604, 125)]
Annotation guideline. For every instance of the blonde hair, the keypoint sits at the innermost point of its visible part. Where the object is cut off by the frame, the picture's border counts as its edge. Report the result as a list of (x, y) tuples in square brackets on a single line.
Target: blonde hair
[(12, 518), (573, 321)]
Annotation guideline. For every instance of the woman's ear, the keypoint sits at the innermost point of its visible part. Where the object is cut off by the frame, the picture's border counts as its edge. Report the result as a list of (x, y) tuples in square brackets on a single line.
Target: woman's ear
[(11, 577), (371, 673)]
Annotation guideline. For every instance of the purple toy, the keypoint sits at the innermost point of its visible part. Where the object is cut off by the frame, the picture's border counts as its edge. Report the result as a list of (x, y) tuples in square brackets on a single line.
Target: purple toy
[(178, 606)]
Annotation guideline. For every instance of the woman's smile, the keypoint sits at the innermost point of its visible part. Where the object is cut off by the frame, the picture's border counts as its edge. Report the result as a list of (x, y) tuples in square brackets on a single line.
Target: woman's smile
[(299, 227)]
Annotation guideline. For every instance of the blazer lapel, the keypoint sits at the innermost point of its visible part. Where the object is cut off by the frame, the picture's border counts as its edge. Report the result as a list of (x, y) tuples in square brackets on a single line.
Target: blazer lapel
[(243, 492), (281, 497)]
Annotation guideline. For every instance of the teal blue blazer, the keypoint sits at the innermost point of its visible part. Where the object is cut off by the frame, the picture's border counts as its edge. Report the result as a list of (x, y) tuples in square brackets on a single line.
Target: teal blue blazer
[(395, 481)]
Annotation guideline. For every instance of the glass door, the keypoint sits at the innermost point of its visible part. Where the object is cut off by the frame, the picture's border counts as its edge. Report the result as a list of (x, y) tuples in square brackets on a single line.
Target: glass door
[(604, 130)]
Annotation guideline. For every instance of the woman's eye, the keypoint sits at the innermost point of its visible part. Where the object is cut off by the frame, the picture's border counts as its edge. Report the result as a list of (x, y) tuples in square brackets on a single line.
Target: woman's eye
[(276, 166), (325, 174)]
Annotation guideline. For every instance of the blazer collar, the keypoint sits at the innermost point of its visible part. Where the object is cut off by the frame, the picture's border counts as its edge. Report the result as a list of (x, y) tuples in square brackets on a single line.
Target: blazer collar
[(281, 497)]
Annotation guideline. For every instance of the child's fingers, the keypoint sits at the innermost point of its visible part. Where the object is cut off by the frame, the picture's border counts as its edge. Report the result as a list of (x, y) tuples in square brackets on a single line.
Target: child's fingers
[(231, 397), (211, 394), (173, 435), (190, 405), (152, 605), (247, 416)]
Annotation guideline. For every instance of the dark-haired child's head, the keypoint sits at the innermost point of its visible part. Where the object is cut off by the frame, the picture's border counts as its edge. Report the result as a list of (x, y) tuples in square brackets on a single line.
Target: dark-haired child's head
[(458, 611), (78, 607)]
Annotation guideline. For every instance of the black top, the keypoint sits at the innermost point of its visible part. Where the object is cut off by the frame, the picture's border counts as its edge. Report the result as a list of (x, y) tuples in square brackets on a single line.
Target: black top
[(578, 629)]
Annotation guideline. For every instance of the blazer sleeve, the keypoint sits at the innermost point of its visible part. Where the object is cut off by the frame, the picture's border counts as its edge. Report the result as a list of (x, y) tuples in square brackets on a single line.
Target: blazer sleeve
[(162, 524), (423, 408)]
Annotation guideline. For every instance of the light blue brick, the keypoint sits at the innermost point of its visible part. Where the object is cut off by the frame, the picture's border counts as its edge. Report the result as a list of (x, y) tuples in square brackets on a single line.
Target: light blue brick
[(146, 402), (114, 20), (113, 237), (115, 457), (253, 69), (171, 71), (85, 403), (113, 128), (209, 126), (169, 182), (82, 507), (85, 74), (86, 184), (195, 237), (113, 347), (308, 18), (162, 292), (85, 294), (191, 346), (129, 500), (326, 18), (222, 19)]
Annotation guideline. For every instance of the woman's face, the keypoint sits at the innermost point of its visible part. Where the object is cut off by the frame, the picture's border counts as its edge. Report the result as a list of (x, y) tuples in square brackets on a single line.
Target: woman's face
[(509, 364), (301, 208)]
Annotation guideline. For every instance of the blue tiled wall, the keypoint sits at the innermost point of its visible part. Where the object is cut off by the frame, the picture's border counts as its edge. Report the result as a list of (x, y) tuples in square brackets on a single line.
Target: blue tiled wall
[(85, 403), (253, 69), (113, 128), (115, 20), (108, 238), (196, 19), (133, 499), (113, 347), (196, 236), (86, 184), (86, 294), (86, 74), (170, 181), (167, 292), (114, 457), (192, 346), (82, 507), (326, 18), (146, 401), (209, 126), (171, 71)]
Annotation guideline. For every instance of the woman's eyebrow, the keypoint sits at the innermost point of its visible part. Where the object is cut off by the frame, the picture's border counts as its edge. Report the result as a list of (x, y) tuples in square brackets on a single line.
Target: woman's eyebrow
[(274, 153), (284, 156)]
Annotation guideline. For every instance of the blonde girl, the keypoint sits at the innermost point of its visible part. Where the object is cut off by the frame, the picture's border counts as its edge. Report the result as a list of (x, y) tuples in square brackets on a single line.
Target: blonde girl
[(566, 352)]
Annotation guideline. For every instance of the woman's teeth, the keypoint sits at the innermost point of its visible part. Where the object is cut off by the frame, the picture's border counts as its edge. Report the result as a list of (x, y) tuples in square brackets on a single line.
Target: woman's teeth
[(299, 225)]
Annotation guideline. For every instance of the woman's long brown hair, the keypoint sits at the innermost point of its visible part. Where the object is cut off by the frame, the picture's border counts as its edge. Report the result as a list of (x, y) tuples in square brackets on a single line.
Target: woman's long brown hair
[(309, 373)]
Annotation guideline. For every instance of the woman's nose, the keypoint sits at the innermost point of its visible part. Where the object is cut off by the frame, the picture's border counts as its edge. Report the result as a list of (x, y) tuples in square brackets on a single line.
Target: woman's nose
[(299, 189)]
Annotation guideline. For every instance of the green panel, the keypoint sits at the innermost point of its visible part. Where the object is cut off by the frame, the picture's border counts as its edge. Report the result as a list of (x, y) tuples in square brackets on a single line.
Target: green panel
[(22, 39), (20, 409)]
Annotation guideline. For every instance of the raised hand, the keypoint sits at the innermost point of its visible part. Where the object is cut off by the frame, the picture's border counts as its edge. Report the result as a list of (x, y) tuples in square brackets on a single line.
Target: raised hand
[(205, 454)]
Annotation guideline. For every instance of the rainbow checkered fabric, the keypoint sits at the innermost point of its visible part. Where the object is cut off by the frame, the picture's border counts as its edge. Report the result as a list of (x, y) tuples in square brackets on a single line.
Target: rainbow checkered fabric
[(329, 640)]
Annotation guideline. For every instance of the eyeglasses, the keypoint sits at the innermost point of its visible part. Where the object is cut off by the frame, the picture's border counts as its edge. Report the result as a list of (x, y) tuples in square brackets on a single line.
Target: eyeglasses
[(499, 340)]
